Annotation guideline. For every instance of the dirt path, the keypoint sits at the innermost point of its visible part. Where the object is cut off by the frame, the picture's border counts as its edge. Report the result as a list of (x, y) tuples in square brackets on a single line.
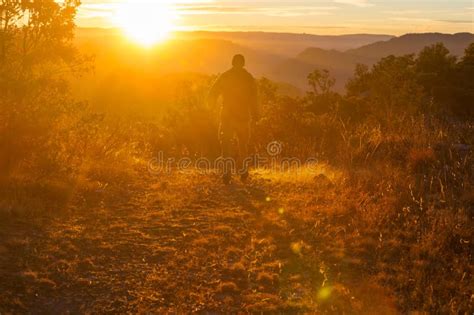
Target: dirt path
[(182, 243)]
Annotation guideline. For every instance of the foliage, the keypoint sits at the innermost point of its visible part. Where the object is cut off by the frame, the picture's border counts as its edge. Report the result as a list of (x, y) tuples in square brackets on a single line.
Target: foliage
[(434, 82), (36, 58), (321, 98)]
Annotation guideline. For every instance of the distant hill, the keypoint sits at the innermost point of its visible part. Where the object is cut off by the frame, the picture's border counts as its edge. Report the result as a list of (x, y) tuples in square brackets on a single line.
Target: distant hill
[(179, 53), (284, 44), (266, 53), (342, 64), (413, 43), (287, 44)]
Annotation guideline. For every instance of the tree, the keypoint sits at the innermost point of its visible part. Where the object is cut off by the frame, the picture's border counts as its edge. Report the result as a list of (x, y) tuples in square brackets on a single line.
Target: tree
[(388, 87), (321, 98), (436, 60), (359, 84), (468, 58), (36, 58), (36, 44), (462, 84), (435, 69), (321, 82)]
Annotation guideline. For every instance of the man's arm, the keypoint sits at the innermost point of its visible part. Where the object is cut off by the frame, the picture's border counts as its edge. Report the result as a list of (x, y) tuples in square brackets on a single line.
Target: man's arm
[(254, 104), (215, 92)]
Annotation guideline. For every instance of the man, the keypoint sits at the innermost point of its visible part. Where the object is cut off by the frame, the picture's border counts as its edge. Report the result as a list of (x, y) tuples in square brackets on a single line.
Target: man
[(239, 92)]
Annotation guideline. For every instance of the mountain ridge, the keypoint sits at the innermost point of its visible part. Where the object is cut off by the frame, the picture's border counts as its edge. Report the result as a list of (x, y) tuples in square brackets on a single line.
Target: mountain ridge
[(341, 64), (414, 42), (201, 54)]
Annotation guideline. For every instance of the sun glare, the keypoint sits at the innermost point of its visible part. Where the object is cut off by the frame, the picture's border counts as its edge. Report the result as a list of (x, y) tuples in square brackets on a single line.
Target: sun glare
[(146, 22)]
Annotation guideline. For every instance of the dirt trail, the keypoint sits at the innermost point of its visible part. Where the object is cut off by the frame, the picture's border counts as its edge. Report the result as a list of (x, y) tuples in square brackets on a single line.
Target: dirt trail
[(182, 243)]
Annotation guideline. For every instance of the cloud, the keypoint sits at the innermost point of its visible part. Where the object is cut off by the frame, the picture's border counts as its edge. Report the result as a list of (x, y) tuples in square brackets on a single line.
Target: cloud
[(410, 19), (357, 3), (262, 10), (403, 12), (212, 9), (456, 21), (91, 8), (269, 28)]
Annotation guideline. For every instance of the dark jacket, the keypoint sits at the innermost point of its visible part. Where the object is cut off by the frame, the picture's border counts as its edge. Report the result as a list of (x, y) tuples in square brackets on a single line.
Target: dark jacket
[(239, 91)]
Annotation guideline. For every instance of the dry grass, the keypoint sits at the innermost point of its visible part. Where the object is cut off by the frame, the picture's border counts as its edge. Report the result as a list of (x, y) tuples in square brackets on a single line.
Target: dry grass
[(369, 234)]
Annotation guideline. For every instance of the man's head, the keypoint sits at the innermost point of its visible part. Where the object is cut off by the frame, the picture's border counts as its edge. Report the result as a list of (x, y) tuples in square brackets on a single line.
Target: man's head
[(238, 61)]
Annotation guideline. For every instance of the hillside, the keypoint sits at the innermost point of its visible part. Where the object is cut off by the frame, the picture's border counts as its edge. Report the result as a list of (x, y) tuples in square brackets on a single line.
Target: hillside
[(146, 172), (357, 210), (341, 64), (288, 44), (283, 44), (266, 53), (413, 43)]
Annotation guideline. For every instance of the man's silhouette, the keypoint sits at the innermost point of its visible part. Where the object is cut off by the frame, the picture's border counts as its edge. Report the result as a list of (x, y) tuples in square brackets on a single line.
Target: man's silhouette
[(239, 91)]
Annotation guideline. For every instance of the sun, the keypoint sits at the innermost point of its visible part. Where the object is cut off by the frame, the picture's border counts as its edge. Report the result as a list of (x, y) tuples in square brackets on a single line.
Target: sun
[(146, 22)]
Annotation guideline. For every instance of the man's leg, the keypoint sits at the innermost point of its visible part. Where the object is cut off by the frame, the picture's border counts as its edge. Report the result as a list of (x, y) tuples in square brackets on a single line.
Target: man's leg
[(225, 137), (243, 134)]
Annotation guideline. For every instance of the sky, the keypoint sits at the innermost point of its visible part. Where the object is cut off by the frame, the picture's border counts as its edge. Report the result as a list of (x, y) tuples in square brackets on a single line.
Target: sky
[(326, 17)]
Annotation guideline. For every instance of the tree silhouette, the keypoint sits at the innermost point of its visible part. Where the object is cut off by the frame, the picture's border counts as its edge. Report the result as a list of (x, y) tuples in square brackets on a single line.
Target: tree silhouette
[(321, 97), (36, 58), (35, 37)]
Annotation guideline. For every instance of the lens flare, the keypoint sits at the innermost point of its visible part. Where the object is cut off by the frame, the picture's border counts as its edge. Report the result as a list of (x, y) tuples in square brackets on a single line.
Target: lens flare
[(324, 293)]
